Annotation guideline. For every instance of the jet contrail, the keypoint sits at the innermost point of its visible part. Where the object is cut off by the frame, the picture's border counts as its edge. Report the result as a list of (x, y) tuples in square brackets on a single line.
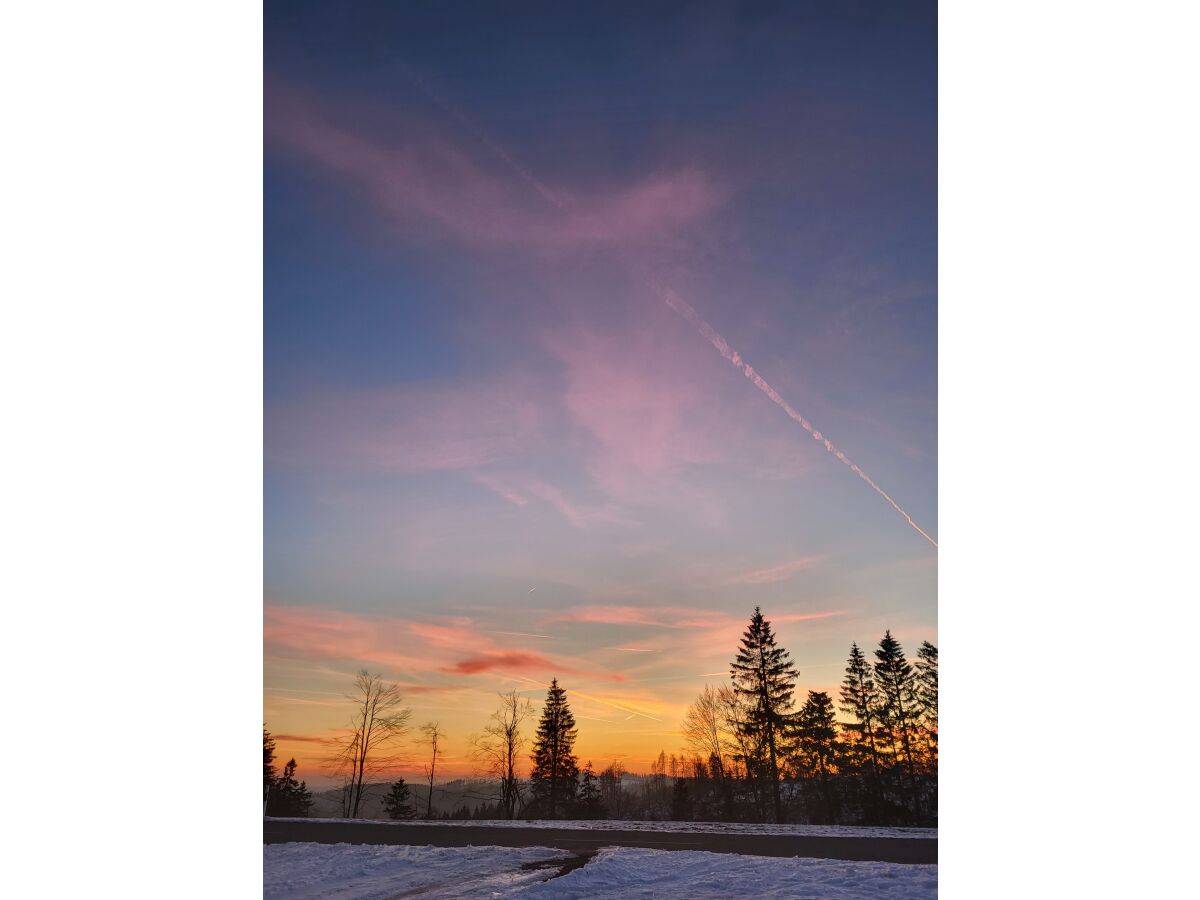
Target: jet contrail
[(480, 135), (673, 300), (684, 309)]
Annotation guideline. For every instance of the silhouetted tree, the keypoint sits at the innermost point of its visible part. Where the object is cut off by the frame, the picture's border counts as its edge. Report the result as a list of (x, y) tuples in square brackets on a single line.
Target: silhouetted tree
[(590, 803), (817, 755), (552, 780), (765, 677), (378, 722), (860, 701), (433, 736), (898, 706), (501, 745), (288, 796), (268, 765), (705, 730), (397, 802), (927, 700)]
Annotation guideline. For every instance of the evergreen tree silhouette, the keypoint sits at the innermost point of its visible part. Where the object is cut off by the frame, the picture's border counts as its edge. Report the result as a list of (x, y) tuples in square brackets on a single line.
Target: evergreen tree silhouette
[(765, 677), (591, 803), (289, 797), (898, 707), (818, 754), (927, 699), (268, 764), (552, 781), (860, 701), (397, 803)]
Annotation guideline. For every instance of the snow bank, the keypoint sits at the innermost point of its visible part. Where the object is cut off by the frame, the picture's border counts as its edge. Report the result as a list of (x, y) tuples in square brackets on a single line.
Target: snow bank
[(356, 872), (633, 873), (675, 827)]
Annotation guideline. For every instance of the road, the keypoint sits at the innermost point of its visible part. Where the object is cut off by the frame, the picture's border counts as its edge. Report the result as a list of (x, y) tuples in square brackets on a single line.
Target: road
[(898, 850)]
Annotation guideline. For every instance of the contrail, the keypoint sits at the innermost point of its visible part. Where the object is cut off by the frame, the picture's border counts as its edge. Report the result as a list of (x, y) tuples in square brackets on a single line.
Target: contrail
[(684, 309), (480, 135), (673, 300)]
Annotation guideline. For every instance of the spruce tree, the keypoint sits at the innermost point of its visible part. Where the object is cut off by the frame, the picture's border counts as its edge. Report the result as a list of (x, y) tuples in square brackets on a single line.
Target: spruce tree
[(552, 780), (927, 699), (897, 711), (591, 803), (818, 755), (817, 746), (289, 797), (765, 678), (397, 803), (860, 701), (268, 764)]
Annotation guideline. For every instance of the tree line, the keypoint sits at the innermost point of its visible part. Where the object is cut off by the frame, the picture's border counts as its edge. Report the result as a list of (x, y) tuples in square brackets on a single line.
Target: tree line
[(283, 795), (751, 754)]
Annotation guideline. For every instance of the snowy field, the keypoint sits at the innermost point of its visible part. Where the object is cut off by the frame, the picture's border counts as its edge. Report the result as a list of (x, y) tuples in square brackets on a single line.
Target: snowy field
[(357, 872), (680, 827)]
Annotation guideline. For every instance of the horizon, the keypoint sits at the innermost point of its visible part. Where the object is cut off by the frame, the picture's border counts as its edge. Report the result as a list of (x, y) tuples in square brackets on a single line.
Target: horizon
[(497, 451)]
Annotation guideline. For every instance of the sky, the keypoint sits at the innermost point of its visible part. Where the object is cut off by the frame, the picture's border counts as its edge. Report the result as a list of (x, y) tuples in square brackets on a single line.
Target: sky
[(548, 289)]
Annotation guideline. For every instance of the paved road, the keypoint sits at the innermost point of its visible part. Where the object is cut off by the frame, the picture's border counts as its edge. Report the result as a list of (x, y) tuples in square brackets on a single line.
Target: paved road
[(899, 850)]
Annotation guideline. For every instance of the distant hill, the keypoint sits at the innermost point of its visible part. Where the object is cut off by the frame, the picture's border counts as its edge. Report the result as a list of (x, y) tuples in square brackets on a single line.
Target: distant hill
[(446, 798)]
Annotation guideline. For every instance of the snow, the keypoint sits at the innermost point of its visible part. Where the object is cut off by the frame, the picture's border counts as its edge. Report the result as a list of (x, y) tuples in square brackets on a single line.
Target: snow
[(357, 872), (695, 874), (674, 827), (304, 871)]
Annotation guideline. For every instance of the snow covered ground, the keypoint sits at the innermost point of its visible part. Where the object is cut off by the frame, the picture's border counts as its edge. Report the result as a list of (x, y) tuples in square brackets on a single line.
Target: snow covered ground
[(683, 827), (364, 872), (357, 872)]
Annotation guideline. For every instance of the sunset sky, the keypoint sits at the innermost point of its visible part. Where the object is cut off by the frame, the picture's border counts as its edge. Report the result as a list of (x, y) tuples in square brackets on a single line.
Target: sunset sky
[(494, 453)]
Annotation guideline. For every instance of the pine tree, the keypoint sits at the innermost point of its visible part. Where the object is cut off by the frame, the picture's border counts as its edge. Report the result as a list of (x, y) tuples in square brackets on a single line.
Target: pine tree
[(765, 677), (397, 803), (288, 796), (552, 781), (268, 764), (591, 803), (927, 700), (860, 701), (818, 753), (897, 711), (817, 746)]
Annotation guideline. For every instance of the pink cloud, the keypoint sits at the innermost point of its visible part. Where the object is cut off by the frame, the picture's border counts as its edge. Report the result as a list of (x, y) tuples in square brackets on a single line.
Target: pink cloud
[(781, 572), (643, 401), (425, 176), (410, 428), (500, 488), (451, 644)]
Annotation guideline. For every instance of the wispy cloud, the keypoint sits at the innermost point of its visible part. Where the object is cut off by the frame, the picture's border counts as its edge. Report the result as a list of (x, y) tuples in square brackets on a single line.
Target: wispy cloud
[(410, 428), (772, 574), (414, 647), (421, 174)]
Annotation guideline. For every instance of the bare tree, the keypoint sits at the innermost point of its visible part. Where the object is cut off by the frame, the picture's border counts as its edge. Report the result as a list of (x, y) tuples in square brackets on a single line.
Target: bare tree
[(501, 745), (706, 730), (433, 736), (377, 725)]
